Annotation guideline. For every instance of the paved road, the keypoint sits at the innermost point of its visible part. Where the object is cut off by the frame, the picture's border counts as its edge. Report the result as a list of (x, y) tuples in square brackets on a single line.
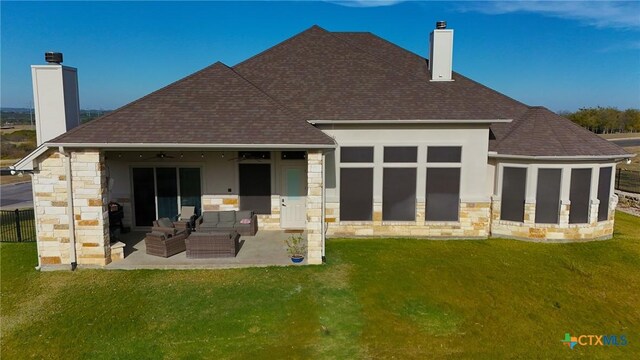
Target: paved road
[(627, 142), (16, 196)]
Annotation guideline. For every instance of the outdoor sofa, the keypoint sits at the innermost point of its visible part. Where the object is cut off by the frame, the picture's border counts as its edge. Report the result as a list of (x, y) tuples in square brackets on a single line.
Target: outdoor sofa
[(245, 222), (203, 245)]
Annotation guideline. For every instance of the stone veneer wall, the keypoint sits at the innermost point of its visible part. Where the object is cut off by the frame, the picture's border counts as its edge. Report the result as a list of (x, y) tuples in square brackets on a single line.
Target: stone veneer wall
[(473, 223), (90, 215), (562, 231), (315, 183)]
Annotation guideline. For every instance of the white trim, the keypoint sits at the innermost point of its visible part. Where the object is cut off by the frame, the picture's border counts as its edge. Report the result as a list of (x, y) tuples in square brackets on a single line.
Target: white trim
[(193, 146), (410, 121), (23, 164), (26, 163), (577, 157)]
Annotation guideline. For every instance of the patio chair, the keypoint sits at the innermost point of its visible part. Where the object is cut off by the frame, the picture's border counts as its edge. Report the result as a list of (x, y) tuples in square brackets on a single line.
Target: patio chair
[(187, 218), (161, 244), (169, 227)]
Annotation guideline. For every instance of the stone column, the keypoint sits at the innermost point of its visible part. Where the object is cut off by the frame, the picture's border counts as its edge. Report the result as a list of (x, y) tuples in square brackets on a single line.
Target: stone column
[(529, 213), (89, 187), (50, 205), (315, 182), (594, 205)]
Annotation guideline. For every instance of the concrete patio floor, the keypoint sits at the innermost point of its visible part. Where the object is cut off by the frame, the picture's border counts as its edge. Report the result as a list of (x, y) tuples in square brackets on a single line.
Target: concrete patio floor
[(266, 248)]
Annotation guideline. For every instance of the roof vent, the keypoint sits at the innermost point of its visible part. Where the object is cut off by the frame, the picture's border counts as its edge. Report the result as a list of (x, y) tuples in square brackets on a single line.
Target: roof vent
[(53, 57), (441, 25)]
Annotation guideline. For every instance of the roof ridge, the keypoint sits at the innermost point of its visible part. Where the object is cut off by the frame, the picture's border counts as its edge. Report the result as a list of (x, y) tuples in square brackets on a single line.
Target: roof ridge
[(291, 112), (520, 121), (561, 143), (421, 58), (280, 105), (393, 66), (381, 38), (81, 126), (286, 41), (495, 91)]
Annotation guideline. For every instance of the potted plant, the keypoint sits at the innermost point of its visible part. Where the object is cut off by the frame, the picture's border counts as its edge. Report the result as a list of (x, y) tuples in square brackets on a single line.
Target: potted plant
[(296, 248)]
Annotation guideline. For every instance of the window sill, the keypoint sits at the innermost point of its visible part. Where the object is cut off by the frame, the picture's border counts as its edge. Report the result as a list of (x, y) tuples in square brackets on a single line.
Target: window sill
[(442, 223)]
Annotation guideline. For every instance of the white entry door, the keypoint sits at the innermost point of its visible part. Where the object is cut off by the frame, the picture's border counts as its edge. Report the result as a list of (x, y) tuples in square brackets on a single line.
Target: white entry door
[(293, 197)]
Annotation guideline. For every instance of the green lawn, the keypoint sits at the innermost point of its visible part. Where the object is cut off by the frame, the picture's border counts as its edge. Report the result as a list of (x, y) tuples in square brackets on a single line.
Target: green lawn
[(375, 298)]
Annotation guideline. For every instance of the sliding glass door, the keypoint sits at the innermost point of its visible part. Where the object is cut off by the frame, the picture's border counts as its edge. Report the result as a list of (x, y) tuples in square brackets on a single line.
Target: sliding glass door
[(190, 188), (160, 192), (167, 192), (144, 197)]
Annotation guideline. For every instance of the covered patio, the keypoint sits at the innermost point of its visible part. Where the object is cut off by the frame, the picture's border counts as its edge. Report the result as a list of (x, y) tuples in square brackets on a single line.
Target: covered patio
[(266, 248)]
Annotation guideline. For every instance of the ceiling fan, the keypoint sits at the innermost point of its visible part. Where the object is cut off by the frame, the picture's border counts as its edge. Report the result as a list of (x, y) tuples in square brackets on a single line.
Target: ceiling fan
[(160, 155)]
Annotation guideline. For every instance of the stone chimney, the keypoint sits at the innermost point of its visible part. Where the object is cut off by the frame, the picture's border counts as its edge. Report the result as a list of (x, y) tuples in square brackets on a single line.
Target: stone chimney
[(441, 53), (55, 98)]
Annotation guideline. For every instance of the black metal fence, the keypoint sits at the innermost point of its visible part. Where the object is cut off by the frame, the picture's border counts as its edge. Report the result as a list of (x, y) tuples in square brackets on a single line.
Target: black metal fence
[(628, 180), (17, 225)]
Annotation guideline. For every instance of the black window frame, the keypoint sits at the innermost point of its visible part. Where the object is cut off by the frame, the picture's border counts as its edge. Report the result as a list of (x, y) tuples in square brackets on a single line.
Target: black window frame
[(365, 155), (580, 204), (548, 210), (432, 153), (429, 200), (362, 182), (387, 204), (400, 154), (512, 201)]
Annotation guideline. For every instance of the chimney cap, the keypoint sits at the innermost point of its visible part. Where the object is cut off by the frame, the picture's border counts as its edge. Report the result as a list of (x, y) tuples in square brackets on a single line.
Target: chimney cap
[(441, 25), (53, 57)]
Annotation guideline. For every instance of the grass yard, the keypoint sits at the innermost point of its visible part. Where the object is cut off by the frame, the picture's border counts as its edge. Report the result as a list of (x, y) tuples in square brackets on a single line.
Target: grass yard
[(375, 298)]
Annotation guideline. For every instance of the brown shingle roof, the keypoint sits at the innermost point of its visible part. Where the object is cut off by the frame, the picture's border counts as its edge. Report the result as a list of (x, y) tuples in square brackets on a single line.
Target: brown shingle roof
[(212, 106), (319, 75), (326, 76), (541, 132)]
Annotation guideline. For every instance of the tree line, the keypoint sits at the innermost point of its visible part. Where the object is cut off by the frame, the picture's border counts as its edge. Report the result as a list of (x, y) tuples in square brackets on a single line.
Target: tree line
[(606, 120)]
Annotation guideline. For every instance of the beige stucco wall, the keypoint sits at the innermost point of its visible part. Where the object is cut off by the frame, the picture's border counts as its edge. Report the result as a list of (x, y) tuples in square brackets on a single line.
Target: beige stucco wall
[(474, 140)]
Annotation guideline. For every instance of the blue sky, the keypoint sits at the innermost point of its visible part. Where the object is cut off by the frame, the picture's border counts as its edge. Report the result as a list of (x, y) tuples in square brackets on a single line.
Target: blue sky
[(563, 55)]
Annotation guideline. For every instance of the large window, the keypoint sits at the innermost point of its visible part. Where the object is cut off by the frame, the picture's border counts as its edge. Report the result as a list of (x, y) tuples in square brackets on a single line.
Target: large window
[(443, 183), (255, 187), (514, 182), (548, 196), (356, 194), (604, 192), (443, 194), (399, 194), (356, 183), (579, 196)]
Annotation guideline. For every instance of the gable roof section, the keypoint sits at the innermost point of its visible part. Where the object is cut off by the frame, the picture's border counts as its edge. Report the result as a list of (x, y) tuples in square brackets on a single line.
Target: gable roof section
[(541, 132), (325, 76), (212, 106)]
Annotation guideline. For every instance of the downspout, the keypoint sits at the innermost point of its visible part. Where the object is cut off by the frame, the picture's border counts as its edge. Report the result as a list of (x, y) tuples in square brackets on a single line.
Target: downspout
[(72, 233), (322, 211)]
